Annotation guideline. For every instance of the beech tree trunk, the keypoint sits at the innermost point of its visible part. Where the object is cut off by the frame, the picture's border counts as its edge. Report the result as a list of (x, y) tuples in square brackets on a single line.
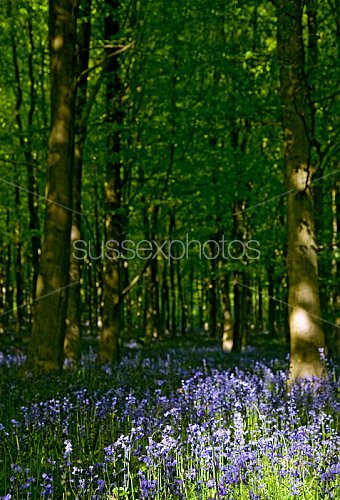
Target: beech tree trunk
[(306, 333), (48, 330), (335, 299), (271, 302), (152, 326), (213, 292), (165, 301), (173, 321), (73, 321), (2, 292), (227, 325), (112, 274), (181, 299), (27, 151)]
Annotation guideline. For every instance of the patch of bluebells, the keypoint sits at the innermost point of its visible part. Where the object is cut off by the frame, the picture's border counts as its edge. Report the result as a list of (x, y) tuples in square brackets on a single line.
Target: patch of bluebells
[(161, 427), (12, 359)]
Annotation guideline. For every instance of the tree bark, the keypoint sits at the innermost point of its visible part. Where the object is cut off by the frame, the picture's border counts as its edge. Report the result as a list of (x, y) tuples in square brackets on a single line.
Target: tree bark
[(48, 331), (306, 334), (26, 148), (213, 293), (271, 301), (165, 300), (227, 325), (3, 287), (112, 275), (153, 327), (181, 299), (240, 280), (237, 331), (73, 321), (335, 300), (18, 265), (173, 321)]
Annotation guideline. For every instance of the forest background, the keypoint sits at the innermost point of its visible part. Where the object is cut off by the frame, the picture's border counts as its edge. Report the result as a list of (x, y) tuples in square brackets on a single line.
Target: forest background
[(156, 122)]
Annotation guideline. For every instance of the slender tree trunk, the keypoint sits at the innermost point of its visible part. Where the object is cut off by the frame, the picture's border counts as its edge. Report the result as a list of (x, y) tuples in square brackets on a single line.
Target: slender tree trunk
[(335, 300), (2, 289), (237, 337), (306, 334), (271, 302), (18, 117), (240, 282), (97, 267), (240, 310), (245, 308), (32, 186), (213, 290), (8, 277), (259, 321), (227, 325), (113, 279), (181, 299), (172, 280), (153, 327), (150, 331), (48, 331), (192, 298), (199, 288), (73, 321), (18, 269), (126, 310), (25, 137), (89, 299), (165, 300)]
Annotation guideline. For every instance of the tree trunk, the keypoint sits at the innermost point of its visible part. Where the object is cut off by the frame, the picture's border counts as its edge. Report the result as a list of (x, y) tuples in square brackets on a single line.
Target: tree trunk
[(48, 331), (259, 320), (8, 275), (237, 333), (227, 325), (199, 290), (32, 187), (306, 334), (181, 299), (173, 321), (18, 270), (97, 267), (165, 300), (3, 286), (271, 301), (191, 313), (335, 300), (153, 327), (26, 148), (73, 321), (112, 275), (213, 291), (240, 279)]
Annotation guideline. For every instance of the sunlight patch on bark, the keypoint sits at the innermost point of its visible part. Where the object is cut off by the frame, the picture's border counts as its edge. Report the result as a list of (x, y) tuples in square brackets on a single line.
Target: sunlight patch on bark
[(40, 285), (59, 134), (300, 321), (304, 292), (75, 233), (58, 42), (300, 179)]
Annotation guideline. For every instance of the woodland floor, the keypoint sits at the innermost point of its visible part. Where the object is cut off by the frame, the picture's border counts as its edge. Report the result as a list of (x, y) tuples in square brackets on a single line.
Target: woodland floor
[(170, 422)]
